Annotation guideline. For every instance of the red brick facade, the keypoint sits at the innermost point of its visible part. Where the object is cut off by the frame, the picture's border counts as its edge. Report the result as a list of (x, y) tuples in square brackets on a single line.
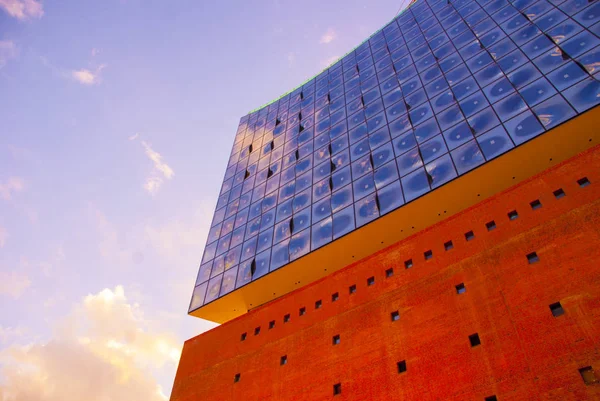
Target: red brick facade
[(526, 353)]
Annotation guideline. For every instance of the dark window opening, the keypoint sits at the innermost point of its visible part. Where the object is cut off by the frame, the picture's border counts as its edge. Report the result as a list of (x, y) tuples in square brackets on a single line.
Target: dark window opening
[(301, 128), (277, 122), (236, 378), (272, 145), (252, 267), (328, 98), (300, 116), (257, 331), (352, 289), (583, 182), (491, 398), (389, 272), (448, 245), (247, 174), (428, 254), (318, 304), (513, 215), (370, 281), (536, 204), (302, 311), (460, 288), (271, 324), (336, 339), (301, 95), (490, 225), (337, 389), (395, 315), (588, 375), (250, 148), (283, 360), (408, 264), (243, 336), (533, 258), (269, 173), (559, 193), (474, 340), (401, 366), (286, 318), (469, 236), (335, 297), (556, 309)]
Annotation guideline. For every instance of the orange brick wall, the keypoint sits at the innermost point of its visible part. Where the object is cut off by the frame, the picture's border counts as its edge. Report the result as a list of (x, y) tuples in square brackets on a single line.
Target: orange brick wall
[(525, 354)]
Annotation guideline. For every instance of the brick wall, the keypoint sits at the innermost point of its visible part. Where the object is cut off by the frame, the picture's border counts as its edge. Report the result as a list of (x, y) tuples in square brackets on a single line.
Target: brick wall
[(526, 353)]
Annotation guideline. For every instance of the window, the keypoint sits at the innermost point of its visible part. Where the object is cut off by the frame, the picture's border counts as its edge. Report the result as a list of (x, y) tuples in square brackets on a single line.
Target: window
[(408, 264), (302, 311), (533, 258), (336, 339), (491, 398), (257, 331), (352, 289), (583, 182), (428, 254), (335, 297), (460, 288), (283, 360), (448, 245), (271, 324), (559, 193), (536, 204), (286, 318), (389, 273), (371, 281), (469, 236), (588, 375), (395, 315), (401, 366), (318, 304), (513, 215), (490, 225), (556, 309), (474, 340), (236, 378), (243, 336), (337, 389)]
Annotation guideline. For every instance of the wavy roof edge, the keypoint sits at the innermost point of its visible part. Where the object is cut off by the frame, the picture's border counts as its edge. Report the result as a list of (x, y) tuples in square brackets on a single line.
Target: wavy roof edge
[(335, 62)]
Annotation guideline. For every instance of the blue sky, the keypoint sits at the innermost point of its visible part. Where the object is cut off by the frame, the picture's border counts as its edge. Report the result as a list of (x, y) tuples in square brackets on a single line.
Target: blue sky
[(117, 118)]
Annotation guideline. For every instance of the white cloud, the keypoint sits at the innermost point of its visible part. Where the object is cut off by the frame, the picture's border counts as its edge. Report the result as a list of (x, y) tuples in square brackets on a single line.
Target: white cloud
[(329, 61), (11, 186), (87, 77), (291, 58), (134, 137), (103, 350), (160, 171), (23, 9), (8, 51), (328, 36), (13, 284), (9, 334), (3, 236)]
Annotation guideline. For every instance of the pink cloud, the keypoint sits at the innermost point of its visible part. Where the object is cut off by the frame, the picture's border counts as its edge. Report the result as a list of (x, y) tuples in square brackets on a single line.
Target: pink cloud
[(23, 9)]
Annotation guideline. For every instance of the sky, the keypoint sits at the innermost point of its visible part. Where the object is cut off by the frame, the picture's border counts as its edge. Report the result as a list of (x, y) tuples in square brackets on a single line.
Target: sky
[(117, 118)]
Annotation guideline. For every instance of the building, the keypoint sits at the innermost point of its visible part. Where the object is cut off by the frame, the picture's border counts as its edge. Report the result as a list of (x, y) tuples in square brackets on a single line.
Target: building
[(417, 222)]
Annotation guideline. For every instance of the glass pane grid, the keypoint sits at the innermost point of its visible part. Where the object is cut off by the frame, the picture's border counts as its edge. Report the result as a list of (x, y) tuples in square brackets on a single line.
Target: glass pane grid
[(442, 89)]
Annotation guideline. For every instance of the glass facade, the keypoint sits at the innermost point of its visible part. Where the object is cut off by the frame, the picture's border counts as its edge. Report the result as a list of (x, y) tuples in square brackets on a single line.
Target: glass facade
[(442, 89)]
